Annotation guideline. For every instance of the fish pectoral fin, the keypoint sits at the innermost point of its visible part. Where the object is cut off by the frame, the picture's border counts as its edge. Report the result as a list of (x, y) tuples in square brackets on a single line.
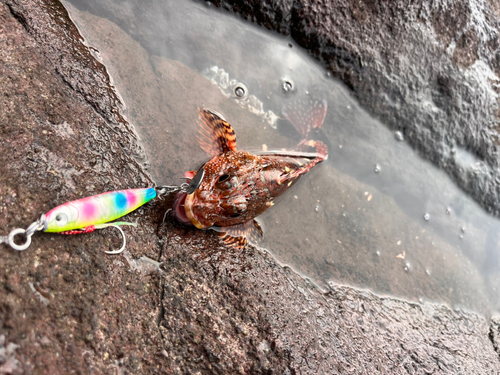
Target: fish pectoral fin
[(216, 135), (240, 235), (237, 242)]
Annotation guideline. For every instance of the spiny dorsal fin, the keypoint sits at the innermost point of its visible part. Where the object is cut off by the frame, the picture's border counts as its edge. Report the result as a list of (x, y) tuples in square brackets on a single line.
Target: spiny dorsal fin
[(216, 134), (239, 235)]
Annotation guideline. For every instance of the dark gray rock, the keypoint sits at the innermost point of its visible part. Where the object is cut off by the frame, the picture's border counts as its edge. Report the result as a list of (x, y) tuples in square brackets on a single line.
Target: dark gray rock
[(427, 68), (65, 307)]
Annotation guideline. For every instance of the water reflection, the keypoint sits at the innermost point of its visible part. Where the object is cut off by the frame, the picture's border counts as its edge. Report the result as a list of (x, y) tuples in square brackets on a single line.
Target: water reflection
[(374, 215)]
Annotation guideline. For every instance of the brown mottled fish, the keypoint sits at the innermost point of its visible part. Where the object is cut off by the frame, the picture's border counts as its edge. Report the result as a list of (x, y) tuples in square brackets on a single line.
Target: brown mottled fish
[(230, 190)]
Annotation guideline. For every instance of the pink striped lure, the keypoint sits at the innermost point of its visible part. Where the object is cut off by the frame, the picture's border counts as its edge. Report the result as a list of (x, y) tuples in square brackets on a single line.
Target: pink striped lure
[(96, 209), (86, 215)]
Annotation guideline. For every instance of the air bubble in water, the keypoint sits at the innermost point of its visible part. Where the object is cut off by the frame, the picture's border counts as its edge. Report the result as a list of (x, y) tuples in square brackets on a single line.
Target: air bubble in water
[(428, 272), (287, 85), (399, 136), (407, 267), (316, 208), (377, 168), (427, 217), (448, 211), (239, 91)]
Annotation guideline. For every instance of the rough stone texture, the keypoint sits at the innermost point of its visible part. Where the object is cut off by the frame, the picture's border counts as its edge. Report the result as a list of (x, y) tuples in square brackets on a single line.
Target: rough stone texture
[(65, 307), (427, 68), (246, 314), (59, 310), (76, 66)]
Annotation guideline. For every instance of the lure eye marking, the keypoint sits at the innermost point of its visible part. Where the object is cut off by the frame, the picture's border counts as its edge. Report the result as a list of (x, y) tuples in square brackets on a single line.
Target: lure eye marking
[(61, 219)]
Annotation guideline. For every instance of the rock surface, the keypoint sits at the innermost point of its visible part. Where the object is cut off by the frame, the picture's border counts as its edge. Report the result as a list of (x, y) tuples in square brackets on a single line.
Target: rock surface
[(65, 307), (428, 68)]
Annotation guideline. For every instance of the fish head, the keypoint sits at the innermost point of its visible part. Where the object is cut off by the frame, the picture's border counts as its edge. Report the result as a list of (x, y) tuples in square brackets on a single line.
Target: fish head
[(218, 194)]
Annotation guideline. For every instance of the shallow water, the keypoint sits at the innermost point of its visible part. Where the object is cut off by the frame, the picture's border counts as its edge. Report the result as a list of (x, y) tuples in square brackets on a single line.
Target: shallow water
[(374, 215)]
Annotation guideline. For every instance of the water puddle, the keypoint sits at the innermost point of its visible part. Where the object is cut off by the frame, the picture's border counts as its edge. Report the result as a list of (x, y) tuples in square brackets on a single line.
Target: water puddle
[(374, 215)]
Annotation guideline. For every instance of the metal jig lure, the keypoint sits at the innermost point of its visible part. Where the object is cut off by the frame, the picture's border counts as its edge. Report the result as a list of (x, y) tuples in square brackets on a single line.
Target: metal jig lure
[(88, 214)]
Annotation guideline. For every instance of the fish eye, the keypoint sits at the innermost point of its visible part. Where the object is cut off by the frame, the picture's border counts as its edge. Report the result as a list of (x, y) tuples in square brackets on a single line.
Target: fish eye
[(223, 178), (234, 215), (226, 181)]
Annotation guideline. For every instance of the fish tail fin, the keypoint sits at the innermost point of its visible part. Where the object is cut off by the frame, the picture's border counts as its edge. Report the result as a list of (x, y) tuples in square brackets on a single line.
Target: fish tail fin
[(306, 114)]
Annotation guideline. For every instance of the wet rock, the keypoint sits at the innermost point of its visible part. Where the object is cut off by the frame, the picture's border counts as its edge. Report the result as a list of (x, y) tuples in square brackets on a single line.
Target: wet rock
[(58, 307), (428, 69), (275, 15), (66, 307), (238, 311), (162, 92)]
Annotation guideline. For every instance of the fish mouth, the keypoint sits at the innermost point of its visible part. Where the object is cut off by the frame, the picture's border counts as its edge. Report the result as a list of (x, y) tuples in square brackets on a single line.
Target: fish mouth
[(183, 209), (179, 211), (188, 209)]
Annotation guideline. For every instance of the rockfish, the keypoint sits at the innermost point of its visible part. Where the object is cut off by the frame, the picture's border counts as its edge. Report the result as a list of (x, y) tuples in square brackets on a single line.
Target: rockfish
[(231, 189)]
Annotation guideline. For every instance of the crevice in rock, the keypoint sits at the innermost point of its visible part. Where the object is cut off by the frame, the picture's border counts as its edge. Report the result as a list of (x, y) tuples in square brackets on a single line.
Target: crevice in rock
[(161, 312), (494, 333)]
